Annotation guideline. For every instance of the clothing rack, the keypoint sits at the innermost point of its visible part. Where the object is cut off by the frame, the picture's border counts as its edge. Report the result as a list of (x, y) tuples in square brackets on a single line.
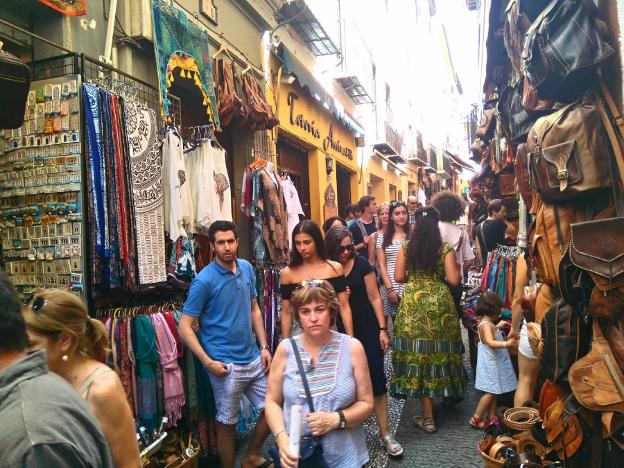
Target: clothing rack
[(134, 311), (499, 273)]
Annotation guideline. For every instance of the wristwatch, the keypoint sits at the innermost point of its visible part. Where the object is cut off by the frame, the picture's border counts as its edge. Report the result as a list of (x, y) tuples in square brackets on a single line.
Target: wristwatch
[(343, 421), (264, 347)]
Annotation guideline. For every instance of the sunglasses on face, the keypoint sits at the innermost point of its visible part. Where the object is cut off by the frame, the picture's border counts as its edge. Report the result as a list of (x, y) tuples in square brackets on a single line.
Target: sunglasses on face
[(36, 302), (347, 248)]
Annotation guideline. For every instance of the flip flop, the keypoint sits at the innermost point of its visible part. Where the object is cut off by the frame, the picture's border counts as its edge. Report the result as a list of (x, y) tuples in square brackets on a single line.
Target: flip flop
[(393, 447), (426, 424), (268, 462)]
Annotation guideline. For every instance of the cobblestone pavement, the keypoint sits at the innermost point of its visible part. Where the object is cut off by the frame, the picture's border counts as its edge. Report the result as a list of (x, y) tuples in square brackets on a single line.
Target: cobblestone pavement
[(454, 443)]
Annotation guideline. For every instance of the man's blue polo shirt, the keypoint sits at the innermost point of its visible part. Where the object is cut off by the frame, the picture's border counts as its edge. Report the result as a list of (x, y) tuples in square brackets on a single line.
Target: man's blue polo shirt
[(222, 301)]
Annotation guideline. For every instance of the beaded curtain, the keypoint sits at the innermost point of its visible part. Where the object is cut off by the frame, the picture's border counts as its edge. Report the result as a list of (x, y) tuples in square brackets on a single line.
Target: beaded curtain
[(176, 39)]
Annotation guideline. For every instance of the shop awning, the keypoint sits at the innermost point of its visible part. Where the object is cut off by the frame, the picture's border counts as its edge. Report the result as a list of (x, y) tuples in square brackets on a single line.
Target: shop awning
[(354, 89), (388, 160), (303, 21), (390, 153), (293, 66)]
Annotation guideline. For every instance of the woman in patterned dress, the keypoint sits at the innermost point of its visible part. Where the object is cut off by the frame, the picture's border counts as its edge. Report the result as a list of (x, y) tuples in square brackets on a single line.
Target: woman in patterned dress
[(427, 344)]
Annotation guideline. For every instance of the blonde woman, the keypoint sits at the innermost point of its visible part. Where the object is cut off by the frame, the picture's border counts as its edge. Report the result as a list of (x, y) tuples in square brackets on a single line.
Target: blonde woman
[(75, 344), (383, 217)]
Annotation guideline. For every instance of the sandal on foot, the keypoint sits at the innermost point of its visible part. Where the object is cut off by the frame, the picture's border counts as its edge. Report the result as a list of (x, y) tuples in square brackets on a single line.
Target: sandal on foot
[(393, 447), (426, 424), (478, 423)]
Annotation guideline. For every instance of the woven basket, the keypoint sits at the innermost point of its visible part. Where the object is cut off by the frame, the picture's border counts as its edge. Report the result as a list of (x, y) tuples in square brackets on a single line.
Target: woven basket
[(489, 462)]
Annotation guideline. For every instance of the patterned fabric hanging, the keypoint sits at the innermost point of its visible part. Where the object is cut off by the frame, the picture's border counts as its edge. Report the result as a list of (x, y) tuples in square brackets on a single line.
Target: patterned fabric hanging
[(147, 194)]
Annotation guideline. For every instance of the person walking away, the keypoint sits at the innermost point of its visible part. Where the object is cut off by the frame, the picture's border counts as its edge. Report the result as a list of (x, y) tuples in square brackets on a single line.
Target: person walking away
[(352, 213), (44, 421), (333, 222), (309, 261), (412, 206), (223, 298), (369, 323), (426, 341), (495, 374), (75, 345), (382, 224), (388, 246), (337, 375), (364, 227), (491, 232)]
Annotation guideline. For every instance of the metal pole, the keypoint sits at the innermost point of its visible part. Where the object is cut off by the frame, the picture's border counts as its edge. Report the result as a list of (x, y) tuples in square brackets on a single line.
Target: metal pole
[(108, 45)]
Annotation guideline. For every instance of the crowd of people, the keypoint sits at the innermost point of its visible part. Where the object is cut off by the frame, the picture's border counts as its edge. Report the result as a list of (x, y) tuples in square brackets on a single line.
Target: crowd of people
[(387, 277)]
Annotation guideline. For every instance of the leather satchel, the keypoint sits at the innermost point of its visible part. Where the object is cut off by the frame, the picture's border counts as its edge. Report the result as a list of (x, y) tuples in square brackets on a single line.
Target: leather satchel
[(596, 380), (521, 170), (487, 124), (563, 428), (14, 86), (229, 102), (566, 338), (532, 101), (507, 184), (567, 153), (563, 47)]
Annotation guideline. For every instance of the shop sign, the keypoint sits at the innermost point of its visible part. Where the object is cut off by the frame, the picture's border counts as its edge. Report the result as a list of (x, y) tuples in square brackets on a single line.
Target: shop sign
[(310, 127), (209, 10)]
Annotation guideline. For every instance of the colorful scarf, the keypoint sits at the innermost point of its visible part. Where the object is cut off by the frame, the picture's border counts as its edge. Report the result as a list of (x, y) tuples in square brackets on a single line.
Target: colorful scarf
[(147, 358), (135, 384), (172, 374), (174, 331), (125, 367), (67, 7)]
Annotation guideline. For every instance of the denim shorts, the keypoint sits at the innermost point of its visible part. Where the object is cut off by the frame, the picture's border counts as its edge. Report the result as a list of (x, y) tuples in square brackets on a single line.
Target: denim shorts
[(241, 379)]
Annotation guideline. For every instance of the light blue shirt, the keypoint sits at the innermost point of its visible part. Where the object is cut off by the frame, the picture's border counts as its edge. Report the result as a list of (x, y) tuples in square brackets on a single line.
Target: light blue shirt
[(222, 301)]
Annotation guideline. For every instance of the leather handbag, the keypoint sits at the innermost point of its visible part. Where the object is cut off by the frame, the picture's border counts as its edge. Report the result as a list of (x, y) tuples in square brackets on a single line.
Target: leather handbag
[(487, 124), (522, 175), (563, 428), (563, 47), (310, 448), (507, 184), (596, 380), (528, 301), (532, 101), (14, 86), (229, 102), (261, 116), (567, 157), (566, 338)]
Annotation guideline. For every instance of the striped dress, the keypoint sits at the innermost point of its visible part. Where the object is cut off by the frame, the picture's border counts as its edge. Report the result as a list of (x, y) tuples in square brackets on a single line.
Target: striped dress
[(333, 387), (392, 251)]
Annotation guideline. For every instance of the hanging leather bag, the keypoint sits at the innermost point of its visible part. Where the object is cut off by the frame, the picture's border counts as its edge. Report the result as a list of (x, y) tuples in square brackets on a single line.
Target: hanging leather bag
[(598, 246), (563, 47), (229, 102), (507, 184), (562, 425), (522, 174), (566, 339), (596, 380), (568, 153), (487, 124), (14, 86)]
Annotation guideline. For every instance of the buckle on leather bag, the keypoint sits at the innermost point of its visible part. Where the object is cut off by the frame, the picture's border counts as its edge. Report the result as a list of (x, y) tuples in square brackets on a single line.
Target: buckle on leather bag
[(562, 174)]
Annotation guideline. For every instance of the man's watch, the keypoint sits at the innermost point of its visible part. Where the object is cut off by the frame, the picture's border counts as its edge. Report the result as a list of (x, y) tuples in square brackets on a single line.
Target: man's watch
[(343, 420)]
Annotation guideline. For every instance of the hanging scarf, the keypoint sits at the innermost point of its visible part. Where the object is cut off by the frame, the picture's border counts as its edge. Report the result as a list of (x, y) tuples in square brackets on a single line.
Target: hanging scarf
[(131, 357), (174, 331), (147, 359), (125, 368), (173, 385)]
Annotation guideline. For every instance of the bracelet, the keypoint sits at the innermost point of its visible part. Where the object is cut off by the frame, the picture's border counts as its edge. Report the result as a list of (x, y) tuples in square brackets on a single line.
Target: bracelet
[(383, 328), (278, 433), (264, 347), (390, 289)]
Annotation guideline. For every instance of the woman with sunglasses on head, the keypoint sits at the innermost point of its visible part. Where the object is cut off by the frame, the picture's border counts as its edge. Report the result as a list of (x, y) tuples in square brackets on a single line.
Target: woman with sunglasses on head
[(75, 345), (336, 372), (369, 323), (387, 246), (427, 343), (308, 261)]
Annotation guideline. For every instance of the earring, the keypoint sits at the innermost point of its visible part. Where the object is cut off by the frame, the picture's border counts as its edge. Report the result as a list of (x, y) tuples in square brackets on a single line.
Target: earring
[(65, 358)]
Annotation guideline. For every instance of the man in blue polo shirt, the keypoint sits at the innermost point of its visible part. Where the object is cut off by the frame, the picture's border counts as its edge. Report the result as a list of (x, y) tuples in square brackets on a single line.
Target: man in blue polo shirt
[(223, 298)]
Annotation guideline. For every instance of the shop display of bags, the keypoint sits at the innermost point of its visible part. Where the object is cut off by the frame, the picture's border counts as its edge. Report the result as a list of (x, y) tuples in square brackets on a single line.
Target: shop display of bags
[(563, 48), (14, 87), (487, 124)]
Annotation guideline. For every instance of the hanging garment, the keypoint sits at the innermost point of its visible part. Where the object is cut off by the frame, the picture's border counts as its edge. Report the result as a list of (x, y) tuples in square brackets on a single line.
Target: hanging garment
[(177, 196), (173, 387), (147, 359), (220, 187), (146, 173), (275, 229), (293, 206), (199, 167)]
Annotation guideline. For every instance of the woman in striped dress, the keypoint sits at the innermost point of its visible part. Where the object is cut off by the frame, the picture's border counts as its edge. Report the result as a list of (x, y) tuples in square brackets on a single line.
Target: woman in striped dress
[(388, 246)]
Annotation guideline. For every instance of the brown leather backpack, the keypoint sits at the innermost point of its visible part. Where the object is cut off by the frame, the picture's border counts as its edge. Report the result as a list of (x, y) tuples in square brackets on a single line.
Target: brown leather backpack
[(569, 153), (562, 425), (487, 124), (596, 379)]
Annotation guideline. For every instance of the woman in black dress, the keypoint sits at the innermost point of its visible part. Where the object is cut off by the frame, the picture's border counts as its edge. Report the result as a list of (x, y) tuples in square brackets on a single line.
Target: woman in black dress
[(369, 322)]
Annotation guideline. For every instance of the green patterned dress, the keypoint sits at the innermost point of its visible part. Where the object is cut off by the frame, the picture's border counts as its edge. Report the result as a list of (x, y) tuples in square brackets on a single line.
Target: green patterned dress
[(427, 343)]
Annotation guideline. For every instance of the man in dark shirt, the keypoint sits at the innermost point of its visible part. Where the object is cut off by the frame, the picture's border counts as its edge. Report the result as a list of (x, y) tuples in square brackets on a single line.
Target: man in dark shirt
[(363, 228), (491, 232), (45, 422)]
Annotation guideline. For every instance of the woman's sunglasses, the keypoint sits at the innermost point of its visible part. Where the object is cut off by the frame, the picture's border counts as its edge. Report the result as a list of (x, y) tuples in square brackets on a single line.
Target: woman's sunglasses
[(36, 302), (347, 248)]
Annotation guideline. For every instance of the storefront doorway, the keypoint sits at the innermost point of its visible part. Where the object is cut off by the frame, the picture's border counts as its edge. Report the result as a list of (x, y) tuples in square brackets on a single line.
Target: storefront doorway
[(343, 181), (294, 161)]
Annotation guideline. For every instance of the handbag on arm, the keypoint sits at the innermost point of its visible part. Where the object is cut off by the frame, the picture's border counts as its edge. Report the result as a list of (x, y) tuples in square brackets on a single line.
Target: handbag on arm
[(311, 448)]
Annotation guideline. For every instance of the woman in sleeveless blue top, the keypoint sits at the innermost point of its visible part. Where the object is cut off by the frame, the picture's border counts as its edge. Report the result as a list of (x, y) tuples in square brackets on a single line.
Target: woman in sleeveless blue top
[(337, 374)]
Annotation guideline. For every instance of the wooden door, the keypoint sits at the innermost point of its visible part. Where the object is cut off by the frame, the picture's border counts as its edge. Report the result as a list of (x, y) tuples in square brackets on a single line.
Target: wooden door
[(343, 181)]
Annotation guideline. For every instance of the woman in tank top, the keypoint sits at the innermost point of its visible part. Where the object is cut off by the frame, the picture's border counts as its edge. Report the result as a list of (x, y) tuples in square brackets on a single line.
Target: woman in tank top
[(308, 261), (76, 345), (336, 369)]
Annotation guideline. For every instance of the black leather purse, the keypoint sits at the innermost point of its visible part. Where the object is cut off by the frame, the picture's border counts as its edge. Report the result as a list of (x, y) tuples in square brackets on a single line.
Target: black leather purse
[(14, 86), (310, 448)]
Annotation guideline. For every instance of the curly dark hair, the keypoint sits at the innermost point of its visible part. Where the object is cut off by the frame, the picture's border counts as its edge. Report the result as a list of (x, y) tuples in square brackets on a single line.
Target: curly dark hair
[(489, 304), (449, 204), (391, 228), (423, 251)]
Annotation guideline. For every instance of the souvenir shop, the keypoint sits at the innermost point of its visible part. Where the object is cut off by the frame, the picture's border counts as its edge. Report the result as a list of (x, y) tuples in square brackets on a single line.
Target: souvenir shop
[(550, 143), (107, 189)]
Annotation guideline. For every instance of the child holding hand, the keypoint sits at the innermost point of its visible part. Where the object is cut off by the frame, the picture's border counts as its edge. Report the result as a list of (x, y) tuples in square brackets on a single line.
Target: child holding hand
[(495, 374)]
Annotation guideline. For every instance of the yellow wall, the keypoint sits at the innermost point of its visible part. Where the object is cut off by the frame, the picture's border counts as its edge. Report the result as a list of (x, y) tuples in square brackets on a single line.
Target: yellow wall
[(307, 122), (381, 174)]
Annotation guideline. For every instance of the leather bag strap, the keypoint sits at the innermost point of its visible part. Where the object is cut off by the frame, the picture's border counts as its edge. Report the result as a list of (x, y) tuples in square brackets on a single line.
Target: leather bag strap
[(302, 374)]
